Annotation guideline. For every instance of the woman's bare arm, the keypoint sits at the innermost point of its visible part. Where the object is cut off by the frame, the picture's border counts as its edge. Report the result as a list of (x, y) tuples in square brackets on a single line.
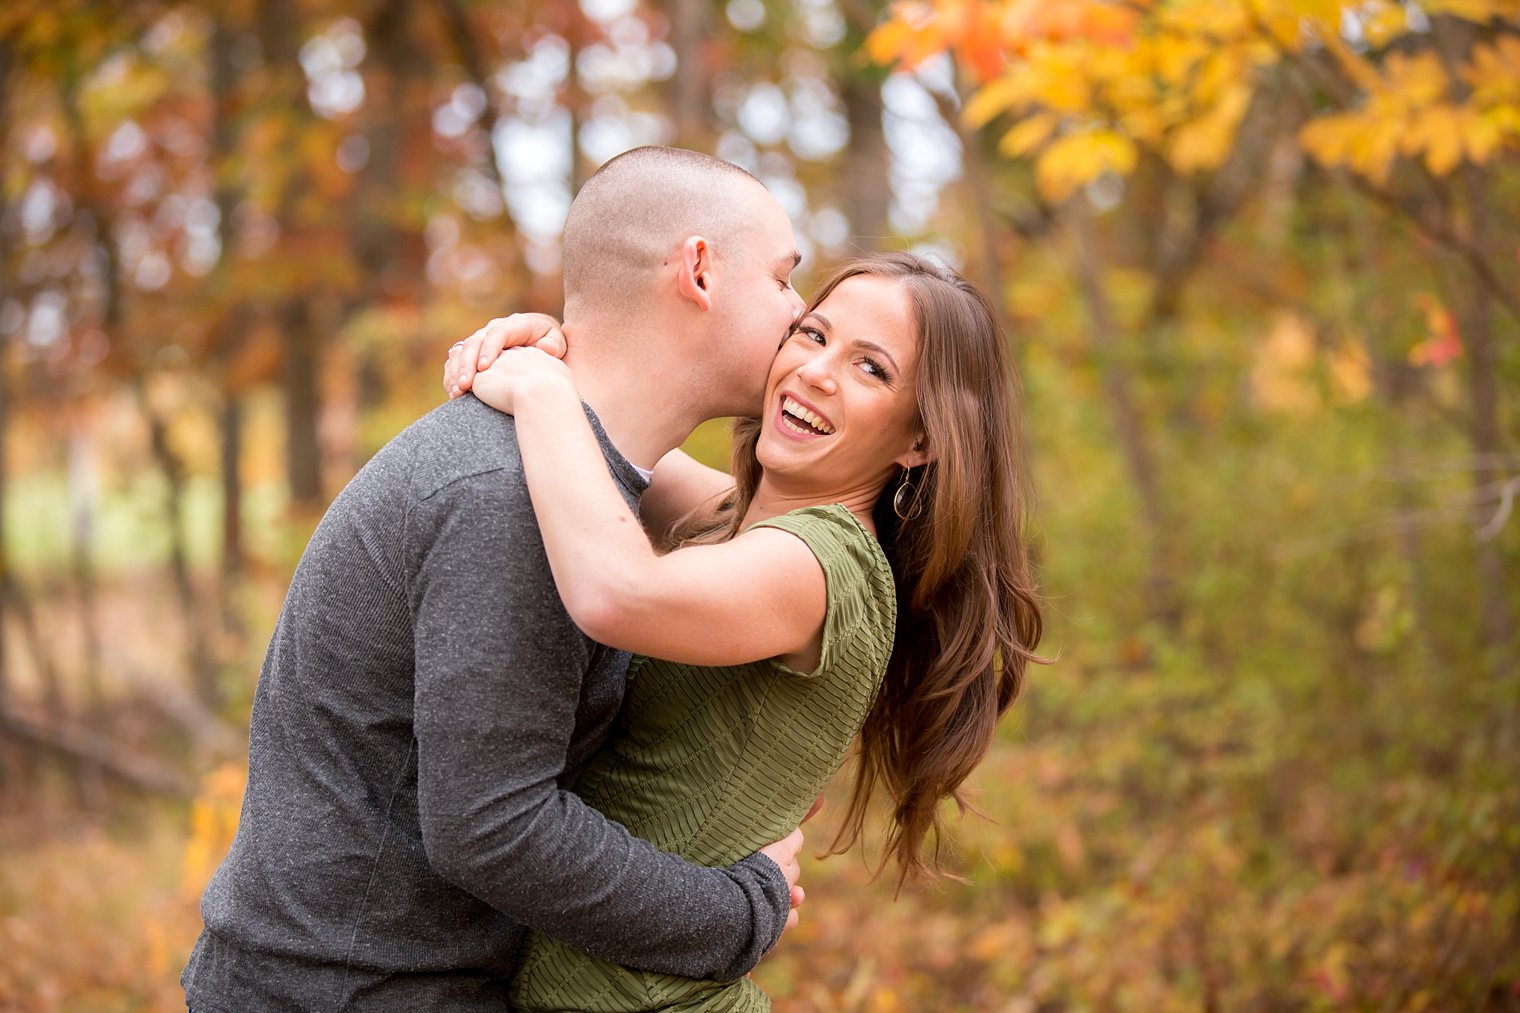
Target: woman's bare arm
[(757, 596), (681, 484)]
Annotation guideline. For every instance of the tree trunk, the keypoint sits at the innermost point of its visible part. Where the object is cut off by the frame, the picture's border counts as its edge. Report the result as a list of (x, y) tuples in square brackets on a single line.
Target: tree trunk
[(202, 670), (233, 561), (279, 31), (1487, 442), (5, 559), (868, 188), (1454, 38), (1119, 386), (82, 515), (20, 606), (976, 178), (5, 403), (691, 86), (374, 235), (303, 456), (230, 417)]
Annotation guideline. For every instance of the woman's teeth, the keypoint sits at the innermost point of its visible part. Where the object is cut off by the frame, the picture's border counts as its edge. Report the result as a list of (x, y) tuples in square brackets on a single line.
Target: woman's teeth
[(815, 424)]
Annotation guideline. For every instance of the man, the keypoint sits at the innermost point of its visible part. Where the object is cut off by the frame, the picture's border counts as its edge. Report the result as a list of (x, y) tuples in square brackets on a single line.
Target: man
[(425, 696)]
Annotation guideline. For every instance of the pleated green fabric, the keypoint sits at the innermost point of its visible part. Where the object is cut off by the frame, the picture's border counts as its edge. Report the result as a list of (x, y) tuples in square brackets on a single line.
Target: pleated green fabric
[(714, 763)]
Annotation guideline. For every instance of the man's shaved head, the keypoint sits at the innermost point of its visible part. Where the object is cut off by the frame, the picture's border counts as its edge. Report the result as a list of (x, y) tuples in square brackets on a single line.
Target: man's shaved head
[(634, 213)]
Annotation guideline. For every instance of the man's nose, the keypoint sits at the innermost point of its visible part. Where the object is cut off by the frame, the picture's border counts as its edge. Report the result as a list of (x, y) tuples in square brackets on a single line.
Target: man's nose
[(798, 306)]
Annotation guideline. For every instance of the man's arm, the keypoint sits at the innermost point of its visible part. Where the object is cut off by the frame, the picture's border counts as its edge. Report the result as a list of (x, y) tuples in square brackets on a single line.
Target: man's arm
[(499, 672)]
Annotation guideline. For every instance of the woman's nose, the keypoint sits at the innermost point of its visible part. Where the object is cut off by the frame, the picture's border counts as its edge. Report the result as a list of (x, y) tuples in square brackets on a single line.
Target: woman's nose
[(816, 373)]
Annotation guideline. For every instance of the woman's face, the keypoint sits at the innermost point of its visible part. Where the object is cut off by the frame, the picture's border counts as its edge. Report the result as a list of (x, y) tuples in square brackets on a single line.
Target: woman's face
[(841, 412)]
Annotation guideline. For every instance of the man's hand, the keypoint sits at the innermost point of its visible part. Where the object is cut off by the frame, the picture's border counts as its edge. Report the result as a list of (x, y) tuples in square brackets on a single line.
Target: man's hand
[(784, 853), (479, 350)]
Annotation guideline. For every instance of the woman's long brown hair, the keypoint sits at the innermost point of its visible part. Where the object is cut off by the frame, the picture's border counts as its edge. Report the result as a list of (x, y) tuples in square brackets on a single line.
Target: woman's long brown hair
[(968, 613)]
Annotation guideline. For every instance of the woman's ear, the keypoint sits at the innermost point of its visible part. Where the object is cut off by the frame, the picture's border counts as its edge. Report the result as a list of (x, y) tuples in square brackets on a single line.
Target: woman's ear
[(694, 278), (920, 453)]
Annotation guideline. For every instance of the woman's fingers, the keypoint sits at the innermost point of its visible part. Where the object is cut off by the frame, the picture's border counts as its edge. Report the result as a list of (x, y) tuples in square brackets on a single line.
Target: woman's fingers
[(469, 357), (481, 349), (794, 915), (785, 854), (451, 370), (550, 338)]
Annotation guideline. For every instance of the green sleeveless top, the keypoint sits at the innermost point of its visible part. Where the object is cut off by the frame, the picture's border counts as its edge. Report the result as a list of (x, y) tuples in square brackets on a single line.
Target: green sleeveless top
[(714, 763)]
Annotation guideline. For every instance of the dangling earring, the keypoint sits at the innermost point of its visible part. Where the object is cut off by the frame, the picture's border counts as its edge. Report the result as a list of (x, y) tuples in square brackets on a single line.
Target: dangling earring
[(905, 500)]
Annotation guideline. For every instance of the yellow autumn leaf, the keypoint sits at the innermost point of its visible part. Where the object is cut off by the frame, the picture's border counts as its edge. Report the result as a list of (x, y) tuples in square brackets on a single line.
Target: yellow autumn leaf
[(1146, 126), (1438, 135), (1174, 56), (1506, 120), (1494, 73), (1351, 372), (1029, 134), (1325, 139), (1132, 91), (1061, 77), (1215, 21), (1354, 64), (1279, 373), (1059, 924), (914, 32), (1074, 161), (1325, 11), (1481, 136), (1479, 11), (1205, 142), (886, 41), (1286, 30), (1383, 23), (1009, 92), (1417, 80), (1372, 145)]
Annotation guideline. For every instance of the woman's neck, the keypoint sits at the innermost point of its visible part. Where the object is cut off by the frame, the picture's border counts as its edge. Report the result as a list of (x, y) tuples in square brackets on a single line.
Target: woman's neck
[(771, 500)]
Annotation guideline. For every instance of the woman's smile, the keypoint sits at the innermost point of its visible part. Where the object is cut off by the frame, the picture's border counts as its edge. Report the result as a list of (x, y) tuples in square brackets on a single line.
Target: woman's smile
[(797, 418)]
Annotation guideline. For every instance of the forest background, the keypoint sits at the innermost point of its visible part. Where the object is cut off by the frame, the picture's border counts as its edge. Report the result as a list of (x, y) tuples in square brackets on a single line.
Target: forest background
[(1259, 265)]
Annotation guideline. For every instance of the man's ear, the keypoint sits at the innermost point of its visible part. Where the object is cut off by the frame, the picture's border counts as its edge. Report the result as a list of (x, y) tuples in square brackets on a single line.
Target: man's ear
[(695, 276), (920, 453)]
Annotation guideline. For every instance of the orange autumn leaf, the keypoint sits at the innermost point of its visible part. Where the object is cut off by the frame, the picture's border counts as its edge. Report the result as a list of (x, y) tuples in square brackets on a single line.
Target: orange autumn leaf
[(1444, 342)]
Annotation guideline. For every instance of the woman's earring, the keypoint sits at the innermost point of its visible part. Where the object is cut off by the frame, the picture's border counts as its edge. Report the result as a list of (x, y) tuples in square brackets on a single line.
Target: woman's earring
[(905, 500)]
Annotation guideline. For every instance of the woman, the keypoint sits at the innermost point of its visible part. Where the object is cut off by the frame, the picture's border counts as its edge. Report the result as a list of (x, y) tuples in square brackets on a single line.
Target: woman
[(865, 573)]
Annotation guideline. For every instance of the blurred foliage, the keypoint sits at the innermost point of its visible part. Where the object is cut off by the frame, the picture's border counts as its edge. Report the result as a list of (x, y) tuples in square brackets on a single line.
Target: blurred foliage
[(1257, 261)]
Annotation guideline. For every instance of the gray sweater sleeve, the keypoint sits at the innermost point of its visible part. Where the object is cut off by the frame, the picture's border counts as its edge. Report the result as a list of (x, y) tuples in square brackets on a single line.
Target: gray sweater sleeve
[(499, 667)]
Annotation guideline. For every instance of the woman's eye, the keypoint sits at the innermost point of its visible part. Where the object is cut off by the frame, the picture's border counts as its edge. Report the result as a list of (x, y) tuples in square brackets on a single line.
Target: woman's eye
[(876, 369), (812, 334)]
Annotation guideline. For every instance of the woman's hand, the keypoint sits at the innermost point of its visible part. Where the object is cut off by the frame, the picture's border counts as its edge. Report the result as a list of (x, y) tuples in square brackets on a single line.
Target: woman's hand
[(518, 374), (479, 350)]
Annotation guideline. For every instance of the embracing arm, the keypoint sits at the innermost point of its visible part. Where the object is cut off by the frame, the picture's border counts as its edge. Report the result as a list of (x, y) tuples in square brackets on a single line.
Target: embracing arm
[(500, 674), (757, 596)]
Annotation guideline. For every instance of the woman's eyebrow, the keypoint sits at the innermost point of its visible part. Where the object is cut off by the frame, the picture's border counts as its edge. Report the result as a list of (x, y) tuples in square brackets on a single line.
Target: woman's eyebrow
[(828, 325), (873, 346)]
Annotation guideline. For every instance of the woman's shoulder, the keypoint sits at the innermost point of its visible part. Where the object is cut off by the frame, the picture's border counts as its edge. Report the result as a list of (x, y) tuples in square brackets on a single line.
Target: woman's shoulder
[(832, 530), (862, 598)]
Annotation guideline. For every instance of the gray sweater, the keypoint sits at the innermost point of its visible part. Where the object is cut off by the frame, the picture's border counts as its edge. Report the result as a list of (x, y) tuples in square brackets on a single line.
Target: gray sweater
[(424, 699)]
